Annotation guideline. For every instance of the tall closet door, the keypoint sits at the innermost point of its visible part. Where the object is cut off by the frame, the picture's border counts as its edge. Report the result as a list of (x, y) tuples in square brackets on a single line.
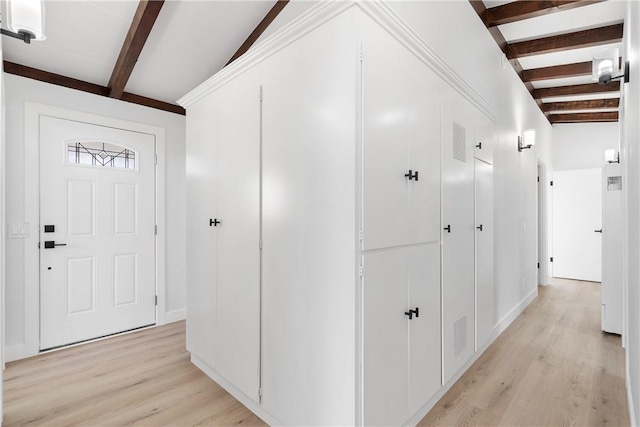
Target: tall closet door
[(202, 185), (238, 275), (424, 330), (385, 90), (458, 281), (386, 328), (484, 253)]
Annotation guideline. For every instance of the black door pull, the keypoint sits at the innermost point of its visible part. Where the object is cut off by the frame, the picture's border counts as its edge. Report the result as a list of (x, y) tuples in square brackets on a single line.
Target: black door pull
[(409, 313), (448, 228), (479, 146), (598, 231), (50, 244), (411, 175), (214, 222), (416, 311), (479, 227)]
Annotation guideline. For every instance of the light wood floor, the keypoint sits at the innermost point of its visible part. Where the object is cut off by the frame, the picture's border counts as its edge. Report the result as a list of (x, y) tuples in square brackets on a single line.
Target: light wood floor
[(552, 367)]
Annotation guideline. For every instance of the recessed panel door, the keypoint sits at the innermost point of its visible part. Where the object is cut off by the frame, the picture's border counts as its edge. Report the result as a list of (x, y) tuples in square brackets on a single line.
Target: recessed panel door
[(386, 328), (238, 275), (458, 230), (577, 224), (97, 234)]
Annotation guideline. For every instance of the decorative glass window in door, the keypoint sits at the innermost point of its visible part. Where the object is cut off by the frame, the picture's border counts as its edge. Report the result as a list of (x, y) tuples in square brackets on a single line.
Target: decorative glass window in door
[(101, 154)]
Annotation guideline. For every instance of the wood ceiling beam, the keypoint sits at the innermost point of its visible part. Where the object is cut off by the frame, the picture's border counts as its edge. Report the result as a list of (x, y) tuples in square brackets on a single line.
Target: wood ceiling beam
[(141, 26), (576, 90), (591, 104), (519, 10), (68, 82), (257, 32), (479, 7), (567, 41), (557, 72), (608, 116)]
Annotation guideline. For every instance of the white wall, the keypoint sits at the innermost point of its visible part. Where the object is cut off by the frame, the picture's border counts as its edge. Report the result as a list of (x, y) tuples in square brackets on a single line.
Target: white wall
[(581, 146), (19, 90), (630, 161)]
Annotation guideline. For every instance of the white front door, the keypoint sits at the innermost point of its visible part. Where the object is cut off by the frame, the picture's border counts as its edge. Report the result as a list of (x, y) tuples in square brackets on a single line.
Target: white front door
[(577, 224), (97, 231)]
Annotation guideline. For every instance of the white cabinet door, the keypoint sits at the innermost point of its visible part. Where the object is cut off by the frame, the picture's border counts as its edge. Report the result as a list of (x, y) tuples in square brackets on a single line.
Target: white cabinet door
[(612, 250), (386, 329), (202, 189), (238, 263), (424, 330), (484, 253), (458, 281), (577, 214)]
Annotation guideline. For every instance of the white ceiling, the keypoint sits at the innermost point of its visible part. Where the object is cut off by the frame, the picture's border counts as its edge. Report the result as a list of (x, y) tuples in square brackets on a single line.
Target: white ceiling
[(193, 39), (190, 41)]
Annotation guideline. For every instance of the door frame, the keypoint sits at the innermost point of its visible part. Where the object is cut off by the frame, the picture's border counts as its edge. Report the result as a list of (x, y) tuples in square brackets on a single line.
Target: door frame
[(33, 111), (542, 223)]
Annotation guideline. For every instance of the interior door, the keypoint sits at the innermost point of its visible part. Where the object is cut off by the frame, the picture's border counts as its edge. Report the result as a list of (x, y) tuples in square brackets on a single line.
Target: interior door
[(458, 278), (577, 224), (97, 232), (484, 253), (612, 306), (238, 275)]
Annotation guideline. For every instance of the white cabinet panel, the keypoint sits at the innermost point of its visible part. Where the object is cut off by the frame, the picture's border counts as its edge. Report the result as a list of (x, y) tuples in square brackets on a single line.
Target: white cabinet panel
[(485, 319), (424, 333), (202, 133), (458, 281), (401, 133), (612, 250), (238, 273), (484, 141), (386, 329)]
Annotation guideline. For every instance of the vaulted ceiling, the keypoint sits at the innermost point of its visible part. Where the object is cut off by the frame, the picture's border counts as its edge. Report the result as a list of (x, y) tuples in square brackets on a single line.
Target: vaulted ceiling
[(152, 52), (551, 45)]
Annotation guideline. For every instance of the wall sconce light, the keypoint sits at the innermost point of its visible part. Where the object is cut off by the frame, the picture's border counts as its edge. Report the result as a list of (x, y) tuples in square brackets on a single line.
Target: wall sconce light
[(605, 67), (527, 140), (25, 19), (612, 155)]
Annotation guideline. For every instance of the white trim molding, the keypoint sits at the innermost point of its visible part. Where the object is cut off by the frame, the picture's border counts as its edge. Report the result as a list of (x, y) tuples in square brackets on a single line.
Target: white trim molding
[(31, 343)]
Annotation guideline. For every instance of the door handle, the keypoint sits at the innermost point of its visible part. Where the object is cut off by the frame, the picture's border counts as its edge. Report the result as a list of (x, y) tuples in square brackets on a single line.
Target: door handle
[(50, 244), (214, 222), (479, 146), (479, 227), (409, 313), (411, 175), (598, 231), (416, 311), (448, 228)]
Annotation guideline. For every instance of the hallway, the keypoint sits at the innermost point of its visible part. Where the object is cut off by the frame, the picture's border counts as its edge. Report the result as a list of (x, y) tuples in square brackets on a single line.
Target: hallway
[(552, 367)]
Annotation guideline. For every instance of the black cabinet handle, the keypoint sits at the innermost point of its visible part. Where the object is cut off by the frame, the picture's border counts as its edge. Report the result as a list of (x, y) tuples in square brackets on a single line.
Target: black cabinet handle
[(479, 227), (214, 222), (50, 244), (411, 175), (409, 313), (479, 146), (416, 311), (448, 228), (598, 231)]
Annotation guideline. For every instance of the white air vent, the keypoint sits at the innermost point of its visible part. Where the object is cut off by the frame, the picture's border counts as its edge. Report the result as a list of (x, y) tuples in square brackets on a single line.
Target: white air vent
[(460, 335), (459, 145)]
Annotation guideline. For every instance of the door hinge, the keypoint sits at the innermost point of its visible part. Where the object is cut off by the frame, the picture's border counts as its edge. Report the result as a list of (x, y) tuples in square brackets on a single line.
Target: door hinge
[(260, 93), (156, 158), (361, 234), (538, 265), (551, 183), (361, 53), (156, 300), (260, 395), (538, 179), (361, 271), (551, 259), (156, 229), (260, 244)]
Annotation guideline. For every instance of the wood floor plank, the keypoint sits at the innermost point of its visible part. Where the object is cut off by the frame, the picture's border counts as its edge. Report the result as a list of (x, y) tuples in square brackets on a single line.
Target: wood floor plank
[(553, 366)]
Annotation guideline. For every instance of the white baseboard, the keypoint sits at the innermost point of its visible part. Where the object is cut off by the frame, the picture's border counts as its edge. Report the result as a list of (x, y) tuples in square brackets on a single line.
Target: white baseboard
[(497, 330), (253, 406), (17, 352), (175, 316), (632, 411)]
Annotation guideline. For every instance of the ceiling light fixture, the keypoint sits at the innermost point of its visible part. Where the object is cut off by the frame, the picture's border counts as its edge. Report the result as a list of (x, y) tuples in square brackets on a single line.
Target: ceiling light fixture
[(25, 20), (605, 67), (527, 140)]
